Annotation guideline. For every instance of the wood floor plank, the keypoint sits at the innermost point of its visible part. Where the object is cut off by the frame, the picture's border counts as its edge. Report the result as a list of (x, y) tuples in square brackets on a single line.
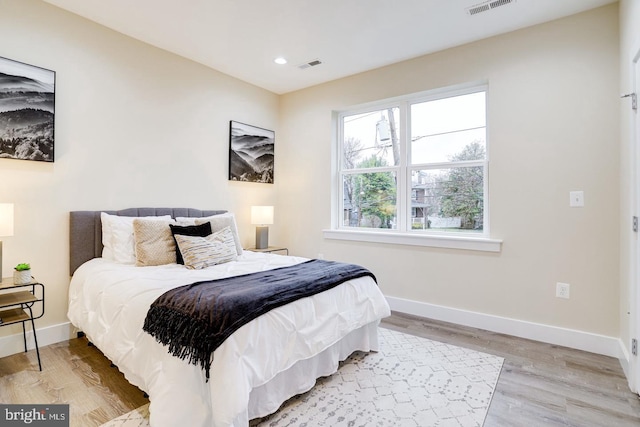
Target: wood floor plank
[(540, 384), (73, 373)]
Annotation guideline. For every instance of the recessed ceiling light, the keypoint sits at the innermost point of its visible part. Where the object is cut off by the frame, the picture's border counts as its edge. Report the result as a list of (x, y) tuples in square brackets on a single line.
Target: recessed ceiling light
[(280, 60)]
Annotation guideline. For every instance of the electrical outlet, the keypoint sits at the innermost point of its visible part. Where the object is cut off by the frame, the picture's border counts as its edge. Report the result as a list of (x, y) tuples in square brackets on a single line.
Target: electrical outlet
[(563, 290)]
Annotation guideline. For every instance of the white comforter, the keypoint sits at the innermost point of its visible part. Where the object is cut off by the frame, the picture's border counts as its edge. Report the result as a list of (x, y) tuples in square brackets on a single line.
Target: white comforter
[(109, 302)]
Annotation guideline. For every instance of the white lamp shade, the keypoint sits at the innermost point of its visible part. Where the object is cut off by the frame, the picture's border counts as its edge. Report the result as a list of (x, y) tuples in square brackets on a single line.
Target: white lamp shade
[(261, 215), (6, 219)]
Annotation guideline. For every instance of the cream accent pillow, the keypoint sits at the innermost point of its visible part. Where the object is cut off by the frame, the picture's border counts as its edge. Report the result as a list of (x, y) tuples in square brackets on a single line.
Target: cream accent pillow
[(202, 252), (219, 222), (117, 237), (154, 244)]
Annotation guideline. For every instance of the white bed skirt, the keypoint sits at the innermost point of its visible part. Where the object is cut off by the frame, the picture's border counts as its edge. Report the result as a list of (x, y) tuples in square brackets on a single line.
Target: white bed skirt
[(301, 377)]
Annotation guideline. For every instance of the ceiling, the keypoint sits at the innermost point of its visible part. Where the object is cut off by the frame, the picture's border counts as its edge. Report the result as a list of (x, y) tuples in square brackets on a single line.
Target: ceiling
[(243, 37)]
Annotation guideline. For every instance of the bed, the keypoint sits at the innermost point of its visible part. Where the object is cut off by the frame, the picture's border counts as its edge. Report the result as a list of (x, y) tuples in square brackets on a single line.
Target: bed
[(263, 363)]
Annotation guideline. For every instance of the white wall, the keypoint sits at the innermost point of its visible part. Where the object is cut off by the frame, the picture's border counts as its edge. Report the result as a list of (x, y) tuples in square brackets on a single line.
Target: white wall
[(553, 128), (629, 48), (134, 126)]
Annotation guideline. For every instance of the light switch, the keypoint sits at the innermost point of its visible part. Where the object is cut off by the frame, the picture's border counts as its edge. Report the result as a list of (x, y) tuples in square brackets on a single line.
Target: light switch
[(576, 199)]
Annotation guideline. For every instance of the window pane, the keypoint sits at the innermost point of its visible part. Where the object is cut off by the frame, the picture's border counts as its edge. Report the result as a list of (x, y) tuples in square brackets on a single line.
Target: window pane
[(448, 115), (450, 129), (447, 199), (449, 147), (371, 139), (370, 200)]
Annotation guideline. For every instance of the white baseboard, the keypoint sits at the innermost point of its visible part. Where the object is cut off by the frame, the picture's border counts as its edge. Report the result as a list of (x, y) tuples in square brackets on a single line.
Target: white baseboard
[(14, 344), (594, 343)]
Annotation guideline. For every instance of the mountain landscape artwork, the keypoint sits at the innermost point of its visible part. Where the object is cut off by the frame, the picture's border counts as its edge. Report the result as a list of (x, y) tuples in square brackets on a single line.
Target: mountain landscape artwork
[(27, 109), (251, 153)]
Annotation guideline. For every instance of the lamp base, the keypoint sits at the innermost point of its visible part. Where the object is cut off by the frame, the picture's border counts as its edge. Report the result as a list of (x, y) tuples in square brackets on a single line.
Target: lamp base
[(262, 237)]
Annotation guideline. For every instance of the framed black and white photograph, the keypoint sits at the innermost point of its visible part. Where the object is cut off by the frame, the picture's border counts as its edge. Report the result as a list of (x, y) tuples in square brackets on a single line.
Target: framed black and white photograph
[(27, 110), (251, 153)]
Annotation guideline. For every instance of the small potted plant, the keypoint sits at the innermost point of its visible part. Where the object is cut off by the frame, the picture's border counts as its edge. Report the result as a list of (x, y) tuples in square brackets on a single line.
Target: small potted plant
[(22, 274)]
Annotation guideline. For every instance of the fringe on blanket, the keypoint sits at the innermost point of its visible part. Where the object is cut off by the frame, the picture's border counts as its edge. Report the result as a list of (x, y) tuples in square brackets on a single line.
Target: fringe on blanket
[(186, 337)]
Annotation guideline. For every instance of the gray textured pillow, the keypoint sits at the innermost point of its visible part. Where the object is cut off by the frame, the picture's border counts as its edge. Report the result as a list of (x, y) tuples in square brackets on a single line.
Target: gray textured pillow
[(218, 222), (154, 244), (202, 252)]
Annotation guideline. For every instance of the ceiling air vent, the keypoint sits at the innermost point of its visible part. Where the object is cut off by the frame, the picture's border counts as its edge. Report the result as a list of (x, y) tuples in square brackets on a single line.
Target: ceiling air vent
[(310, 64), (488, 5)]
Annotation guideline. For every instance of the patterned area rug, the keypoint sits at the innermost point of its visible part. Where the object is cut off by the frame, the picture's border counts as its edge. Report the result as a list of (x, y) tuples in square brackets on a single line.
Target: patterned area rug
[(411, 381)]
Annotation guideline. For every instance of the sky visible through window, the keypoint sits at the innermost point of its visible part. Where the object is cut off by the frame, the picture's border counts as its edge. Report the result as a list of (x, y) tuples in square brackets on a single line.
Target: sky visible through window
[(439, 128)]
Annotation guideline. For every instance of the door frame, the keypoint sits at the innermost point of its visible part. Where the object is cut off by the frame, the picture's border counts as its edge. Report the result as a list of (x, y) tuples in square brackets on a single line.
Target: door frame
[(634, 291)]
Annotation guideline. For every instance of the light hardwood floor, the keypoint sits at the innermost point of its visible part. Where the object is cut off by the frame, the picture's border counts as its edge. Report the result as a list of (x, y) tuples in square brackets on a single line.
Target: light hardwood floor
[(72, 372), (540, 384)]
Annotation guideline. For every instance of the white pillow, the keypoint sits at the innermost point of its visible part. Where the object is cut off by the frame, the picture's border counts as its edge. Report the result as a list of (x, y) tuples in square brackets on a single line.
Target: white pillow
[(202, 252), (191, 220), (219, 222), (117, 237), (184, 221)]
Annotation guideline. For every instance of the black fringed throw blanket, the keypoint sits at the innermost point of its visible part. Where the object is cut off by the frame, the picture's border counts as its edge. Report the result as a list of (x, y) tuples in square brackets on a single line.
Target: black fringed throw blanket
[(193, 320)]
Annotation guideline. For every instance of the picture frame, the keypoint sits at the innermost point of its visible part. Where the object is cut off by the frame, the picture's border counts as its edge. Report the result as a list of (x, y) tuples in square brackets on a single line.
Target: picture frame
[(251, 153), (27, 111)]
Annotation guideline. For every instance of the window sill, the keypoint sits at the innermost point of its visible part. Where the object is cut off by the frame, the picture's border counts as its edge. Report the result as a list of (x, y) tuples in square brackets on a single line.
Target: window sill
[(450, 242)]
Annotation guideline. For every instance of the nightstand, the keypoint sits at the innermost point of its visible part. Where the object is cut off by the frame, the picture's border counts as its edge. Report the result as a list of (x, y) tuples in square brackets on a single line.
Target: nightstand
[(17, 304), (270, 249)]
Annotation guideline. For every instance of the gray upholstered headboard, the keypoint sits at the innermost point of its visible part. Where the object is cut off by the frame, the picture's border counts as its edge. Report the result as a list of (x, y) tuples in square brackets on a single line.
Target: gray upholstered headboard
[(85, 232)]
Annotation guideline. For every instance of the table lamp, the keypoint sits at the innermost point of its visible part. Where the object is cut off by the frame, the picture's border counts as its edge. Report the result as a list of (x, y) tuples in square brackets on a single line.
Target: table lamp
[(6, 226), (261, 216)]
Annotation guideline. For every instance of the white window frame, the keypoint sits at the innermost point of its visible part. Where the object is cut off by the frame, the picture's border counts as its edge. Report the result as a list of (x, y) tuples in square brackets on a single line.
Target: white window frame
[(403, 235)]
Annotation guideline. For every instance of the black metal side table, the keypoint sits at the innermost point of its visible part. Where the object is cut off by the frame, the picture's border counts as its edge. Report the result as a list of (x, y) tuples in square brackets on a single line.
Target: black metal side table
[(17, 305)]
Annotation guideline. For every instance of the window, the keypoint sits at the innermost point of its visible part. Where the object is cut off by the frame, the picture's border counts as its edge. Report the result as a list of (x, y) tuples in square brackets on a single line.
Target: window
[(415, 165)]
